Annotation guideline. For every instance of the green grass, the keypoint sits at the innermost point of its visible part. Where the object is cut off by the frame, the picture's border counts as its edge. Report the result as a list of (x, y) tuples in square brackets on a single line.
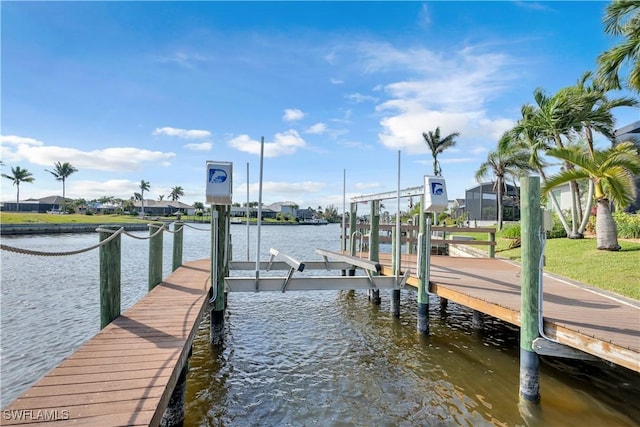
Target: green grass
[(43, 218), (617, 272)]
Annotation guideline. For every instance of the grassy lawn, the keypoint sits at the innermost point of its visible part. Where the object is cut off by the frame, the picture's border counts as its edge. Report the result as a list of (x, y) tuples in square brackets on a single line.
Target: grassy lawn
[(43, 218), (618, 272)]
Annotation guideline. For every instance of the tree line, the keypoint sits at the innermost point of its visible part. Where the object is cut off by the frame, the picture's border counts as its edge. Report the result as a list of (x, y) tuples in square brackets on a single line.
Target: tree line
[(561, 126)]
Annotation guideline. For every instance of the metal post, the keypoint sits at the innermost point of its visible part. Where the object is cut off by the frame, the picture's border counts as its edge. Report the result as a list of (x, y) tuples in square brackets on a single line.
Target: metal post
[(424, 258), (155, 255), (353, 217), (178, 234), (109, 277), (531, 247)]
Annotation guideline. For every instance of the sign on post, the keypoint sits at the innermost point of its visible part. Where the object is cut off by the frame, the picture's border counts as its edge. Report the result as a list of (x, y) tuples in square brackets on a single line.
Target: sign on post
[(219, 183), (435, 194)]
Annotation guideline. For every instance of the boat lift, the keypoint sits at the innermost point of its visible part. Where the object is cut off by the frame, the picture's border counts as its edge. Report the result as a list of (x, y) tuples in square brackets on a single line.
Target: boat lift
[(339, 261)]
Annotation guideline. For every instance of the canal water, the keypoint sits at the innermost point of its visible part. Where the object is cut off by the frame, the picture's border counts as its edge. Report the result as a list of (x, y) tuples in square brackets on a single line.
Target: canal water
[(304, 359)]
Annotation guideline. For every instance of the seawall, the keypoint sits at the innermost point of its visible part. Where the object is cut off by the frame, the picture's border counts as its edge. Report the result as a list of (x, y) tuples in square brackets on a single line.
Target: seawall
[(16, 229)]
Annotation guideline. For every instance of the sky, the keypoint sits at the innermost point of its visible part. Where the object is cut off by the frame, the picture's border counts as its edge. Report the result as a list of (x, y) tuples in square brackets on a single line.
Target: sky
[(131, 91)]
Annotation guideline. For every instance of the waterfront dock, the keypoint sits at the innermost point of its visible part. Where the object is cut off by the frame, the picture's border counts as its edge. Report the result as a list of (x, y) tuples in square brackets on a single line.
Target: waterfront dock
[(575, 315), (125, 374)]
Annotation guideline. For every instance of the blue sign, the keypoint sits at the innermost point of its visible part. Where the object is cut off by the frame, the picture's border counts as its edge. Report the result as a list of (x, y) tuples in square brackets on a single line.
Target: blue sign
[(437, 189), (217, 176)]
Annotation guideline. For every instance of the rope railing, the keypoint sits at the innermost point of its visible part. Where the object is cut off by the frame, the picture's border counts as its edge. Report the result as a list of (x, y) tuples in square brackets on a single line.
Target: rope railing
[(114, 233)]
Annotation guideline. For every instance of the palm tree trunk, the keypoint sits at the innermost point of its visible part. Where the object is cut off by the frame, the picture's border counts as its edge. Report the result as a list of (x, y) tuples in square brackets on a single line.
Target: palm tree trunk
[(587, 212), (499, 195), (556, 205), (574, 211), (606, 231), (17, 197)]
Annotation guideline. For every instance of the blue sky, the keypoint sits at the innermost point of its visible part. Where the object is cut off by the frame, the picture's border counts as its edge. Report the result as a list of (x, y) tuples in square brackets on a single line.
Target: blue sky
[(126, 91)]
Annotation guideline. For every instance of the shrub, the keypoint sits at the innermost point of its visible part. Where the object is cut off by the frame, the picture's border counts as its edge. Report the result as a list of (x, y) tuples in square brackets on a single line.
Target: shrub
[(510, 231), (558, 230), (628, 225)]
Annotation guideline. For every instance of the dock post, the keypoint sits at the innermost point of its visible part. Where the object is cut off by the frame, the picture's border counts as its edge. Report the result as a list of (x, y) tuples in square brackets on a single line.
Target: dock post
[(173, 416), (492, 248), (530, 226), (218, 247), (178, 237), (353, 217), (155, 254), (477, 320), (395, 266), (109, 276), (424, 255), (374, 242)]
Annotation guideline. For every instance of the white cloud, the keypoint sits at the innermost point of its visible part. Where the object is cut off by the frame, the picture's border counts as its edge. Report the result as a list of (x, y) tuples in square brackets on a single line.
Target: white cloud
[(182, 133), (359, 98), (292, 114), (202, 146), (184, 59), (318, 128), (336, 81), (18, 148), (284, 143), (424, 18), (451, 93)]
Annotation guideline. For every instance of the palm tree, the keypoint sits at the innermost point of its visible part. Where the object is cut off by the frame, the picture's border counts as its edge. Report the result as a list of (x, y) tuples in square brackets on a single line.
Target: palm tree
[(61, 172), (593, 113), (552, 118), (19, 175), (161, 197), (622, 18), (144, 186), (437, 145), (506, 160), (611, 172), (176, 193)]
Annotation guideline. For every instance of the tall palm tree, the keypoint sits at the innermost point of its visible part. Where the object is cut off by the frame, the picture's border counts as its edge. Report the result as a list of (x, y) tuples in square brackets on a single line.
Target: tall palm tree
[(551, 119), (622, 18), (437, 145), (611, 172), (503, 162), (19, 175), (176, 193), (144, 186), (61, 172), (593, 113)]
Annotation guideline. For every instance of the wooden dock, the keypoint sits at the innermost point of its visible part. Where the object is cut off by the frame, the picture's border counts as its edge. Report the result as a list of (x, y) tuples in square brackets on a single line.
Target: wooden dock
[(124, 375), (575, 315)]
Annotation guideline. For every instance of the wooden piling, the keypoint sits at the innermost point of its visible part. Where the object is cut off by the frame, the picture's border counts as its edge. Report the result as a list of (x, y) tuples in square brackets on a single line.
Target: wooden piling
[(218, 270), (155, 254), (395, 264), (110, 255), (178, 235), (530, 227), (174, 414), (423, 274), (374, 242)]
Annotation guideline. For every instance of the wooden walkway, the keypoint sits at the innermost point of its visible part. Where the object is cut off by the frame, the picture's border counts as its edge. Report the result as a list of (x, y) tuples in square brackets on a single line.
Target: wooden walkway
[(604, 326), (126, 373)]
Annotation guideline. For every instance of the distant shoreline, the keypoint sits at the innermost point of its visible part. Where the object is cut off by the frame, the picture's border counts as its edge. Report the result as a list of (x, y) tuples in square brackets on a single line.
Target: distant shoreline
[(22, 229)]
